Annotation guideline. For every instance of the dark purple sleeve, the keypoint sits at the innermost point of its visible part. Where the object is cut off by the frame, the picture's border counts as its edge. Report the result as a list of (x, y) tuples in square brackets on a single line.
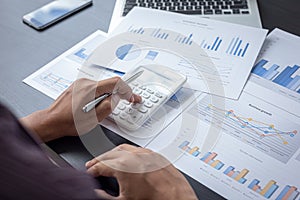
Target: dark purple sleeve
[(27, 173)]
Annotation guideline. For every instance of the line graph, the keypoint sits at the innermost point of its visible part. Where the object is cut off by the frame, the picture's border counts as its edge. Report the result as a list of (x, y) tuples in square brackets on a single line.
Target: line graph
[(262, 129), (253, 122)]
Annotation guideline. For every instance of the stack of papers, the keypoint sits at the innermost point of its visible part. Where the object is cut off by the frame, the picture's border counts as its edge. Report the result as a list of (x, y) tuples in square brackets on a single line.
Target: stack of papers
[(224, 112)]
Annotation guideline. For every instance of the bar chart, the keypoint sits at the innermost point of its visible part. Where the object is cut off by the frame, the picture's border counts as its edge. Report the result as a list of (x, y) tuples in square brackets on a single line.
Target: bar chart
[(288, 193), (193, 151), (139, 30), (237, 47), (266, 191), (188, 40), (289, 77), (213, 46), (209, 157), (238, 176), (159, 33), (81, 53)]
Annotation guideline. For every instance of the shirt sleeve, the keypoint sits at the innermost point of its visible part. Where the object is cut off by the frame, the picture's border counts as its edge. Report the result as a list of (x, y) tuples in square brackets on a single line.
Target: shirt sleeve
[(27, 173)]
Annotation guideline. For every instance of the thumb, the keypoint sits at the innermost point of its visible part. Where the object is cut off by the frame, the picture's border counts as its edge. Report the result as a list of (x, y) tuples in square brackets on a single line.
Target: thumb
[(104, 195)]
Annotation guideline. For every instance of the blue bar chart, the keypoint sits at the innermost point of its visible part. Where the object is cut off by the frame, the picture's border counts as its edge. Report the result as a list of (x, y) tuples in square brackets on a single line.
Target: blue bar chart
[(193, 151), (159, 33), (213, 46), (266, 191), (288, 193), (81, 54), (237, 47), (287, 77), (188, 40), (139, 30)]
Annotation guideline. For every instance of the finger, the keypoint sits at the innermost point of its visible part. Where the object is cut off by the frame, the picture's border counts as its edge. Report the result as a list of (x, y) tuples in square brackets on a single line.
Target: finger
[(135, 98), (91, 163), (126, 147), (104, 195), (107, 85), (103, 109), (100, 169)]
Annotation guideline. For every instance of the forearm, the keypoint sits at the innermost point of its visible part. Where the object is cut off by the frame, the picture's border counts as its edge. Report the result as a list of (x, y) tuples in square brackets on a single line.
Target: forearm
[(39, 123)]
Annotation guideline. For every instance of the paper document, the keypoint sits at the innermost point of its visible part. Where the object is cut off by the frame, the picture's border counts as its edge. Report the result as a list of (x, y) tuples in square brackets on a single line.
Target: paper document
[(257, 155), (60, 73), (230, 48)]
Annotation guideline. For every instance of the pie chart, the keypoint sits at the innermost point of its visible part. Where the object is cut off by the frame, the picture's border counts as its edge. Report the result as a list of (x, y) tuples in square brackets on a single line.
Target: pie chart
[(128, 52)]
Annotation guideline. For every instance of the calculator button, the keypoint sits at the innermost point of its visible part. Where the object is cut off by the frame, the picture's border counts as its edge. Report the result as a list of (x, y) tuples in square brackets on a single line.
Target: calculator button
[(126, 102), (135, 84), (143, 109), (116, 112), (129, 110), (150, 91), (123, 116), (121, 106), (148, 104), (159, 95), (154, 99), (137, 91), (134, 118), (143, 87), (136, 105), (145, 95)]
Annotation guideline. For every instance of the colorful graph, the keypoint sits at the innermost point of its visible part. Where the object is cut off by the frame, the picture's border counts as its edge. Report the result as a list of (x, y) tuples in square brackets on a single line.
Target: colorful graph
[(284, 78), (235, 47), (184, 39), (208, 158), (193, 151), (237, 175), (214, 46), (261, 129), (267, 191), (288, 193)]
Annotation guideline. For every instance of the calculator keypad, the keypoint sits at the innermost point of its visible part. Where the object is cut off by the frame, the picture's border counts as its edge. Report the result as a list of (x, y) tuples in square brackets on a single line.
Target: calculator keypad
[(133, 115)]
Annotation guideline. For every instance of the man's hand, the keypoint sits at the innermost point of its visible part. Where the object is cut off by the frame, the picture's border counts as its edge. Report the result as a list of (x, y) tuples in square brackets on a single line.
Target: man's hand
[(141, 174), (65, 116)]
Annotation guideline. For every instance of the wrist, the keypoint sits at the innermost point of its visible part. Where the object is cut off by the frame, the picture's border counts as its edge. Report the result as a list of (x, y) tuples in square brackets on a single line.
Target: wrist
[(40, 123)]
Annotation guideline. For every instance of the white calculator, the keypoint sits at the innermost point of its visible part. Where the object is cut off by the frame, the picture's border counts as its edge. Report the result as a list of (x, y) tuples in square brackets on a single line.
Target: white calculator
[(155, 85)]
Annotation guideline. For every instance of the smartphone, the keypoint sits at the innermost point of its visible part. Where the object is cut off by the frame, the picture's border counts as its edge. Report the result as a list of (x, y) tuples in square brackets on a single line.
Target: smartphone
[(53, 12)]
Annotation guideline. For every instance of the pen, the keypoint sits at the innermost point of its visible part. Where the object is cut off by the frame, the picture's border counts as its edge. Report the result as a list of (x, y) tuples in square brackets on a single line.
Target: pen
[(88, 107)]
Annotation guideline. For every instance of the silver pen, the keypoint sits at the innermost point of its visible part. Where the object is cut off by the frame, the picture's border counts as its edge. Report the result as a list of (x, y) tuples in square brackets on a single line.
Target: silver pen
[(88, 107)]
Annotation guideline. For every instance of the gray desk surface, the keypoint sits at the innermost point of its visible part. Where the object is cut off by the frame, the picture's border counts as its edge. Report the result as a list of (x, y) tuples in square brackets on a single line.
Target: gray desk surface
[(24, 50)]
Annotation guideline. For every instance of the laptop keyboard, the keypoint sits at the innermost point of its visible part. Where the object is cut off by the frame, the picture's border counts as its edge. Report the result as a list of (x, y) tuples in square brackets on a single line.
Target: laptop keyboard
[(196, 7)]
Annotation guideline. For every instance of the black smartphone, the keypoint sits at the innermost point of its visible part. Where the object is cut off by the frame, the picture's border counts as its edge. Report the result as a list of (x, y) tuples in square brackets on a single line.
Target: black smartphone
[(53, 12)]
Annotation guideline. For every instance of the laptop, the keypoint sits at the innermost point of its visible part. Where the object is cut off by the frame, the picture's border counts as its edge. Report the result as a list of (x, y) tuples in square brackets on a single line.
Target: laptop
[(243, 12)]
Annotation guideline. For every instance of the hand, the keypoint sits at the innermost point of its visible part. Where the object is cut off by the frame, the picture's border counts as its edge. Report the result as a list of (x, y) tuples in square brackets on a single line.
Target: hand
[(141, 174), (65, 116)]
